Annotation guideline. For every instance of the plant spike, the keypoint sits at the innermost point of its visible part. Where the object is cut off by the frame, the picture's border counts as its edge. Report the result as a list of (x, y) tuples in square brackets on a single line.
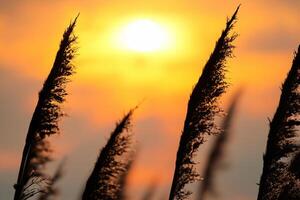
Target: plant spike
[(276, 175), (44, 122), (201, 111)]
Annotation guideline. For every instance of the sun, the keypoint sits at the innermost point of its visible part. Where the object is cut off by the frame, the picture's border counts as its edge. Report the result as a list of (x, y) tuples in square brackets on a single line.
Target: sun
[(144, 36)]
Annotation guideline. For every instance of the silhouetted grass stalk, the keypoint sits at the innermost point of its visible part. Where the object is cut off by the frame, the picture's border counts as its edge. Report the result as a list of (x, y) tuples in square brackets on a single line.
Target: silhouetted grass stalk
[(217, 152), (277, 176), (51, 190), (123, 179), (45, 119), (105, 181), (201, 111)]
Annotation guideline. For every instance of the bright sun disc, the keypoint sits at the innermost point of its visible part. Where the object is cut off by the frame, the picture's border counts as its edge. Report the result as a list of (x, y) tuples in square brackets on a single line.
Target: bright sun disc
[(144, 36)]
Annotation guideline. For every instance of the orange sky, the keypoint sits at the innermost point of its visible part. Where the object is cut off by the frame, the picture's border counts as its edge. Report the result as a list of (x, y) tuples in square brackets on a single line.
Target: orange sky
[(110, 80)]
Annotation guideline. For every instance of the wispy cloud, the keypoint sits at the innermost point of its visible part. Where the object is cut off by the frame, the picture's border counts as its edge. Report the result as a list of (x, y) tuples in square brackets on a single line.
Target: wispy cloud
[(270, 39)]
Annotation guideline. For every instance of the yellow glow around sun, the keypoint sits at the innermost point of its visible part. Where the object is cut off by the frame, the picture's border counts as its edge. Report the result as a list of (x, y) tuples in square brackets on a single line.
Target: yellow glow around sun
[(144, 36)]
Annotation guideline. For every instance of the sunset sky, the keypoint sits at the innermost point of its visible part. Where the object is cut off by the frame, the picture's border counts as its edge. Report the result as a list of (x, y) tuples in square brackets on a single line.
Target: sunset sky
[(113, 75)]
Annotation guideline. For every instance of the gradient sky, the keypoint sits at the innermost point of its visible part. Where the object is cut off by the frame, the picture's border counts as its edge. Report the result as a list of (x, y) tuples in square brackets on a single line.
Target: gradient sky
[(110, 80)]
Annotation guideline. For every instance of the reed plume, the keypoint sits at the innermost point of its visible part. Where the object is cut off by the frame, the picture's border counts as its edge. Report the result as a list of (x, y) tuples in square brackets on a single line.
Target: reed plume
[(123, 179), (44, 122), (201, 111), (277, 177), (51, 189), (292, 190), (105, 181), (216, 155), (294, 167)]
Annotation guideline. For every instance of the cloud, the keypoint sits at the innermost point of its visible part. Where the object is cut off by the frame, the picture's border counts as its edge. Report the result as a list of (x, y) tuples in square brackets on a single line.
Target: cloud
[(8, 5), (273, 39), (294, 4)]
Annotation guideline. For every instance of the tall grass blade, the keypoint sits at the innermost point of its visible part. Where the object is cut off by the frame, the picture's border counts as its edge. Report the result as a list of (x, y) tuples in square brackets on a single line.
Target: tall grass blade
[(52, 190), (277, 177), (201, 111), (217, 152), (123, 180), (45, 119), (105, 179)]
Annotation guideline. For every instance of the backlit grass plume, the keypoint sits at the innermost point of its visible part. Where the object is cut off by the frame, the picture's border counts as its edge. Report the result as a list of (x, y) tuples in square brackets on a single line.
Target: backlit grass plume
[(51, 190), (217, 152), (45, 119), (276, 176), (123, 179), (105, 181), (291, 191), (201, 111)]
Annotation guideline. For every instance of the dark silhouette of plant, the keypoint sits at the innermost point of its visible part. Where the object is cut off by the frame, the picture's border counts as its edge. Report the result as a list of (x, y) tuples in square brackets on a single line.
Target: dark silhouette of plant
[(105, 181), (44, 122), (217, 152), (277, 177), (294, 167), (51, 189), (201, 111), (124, 178), (294, 186), (292, 190)]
